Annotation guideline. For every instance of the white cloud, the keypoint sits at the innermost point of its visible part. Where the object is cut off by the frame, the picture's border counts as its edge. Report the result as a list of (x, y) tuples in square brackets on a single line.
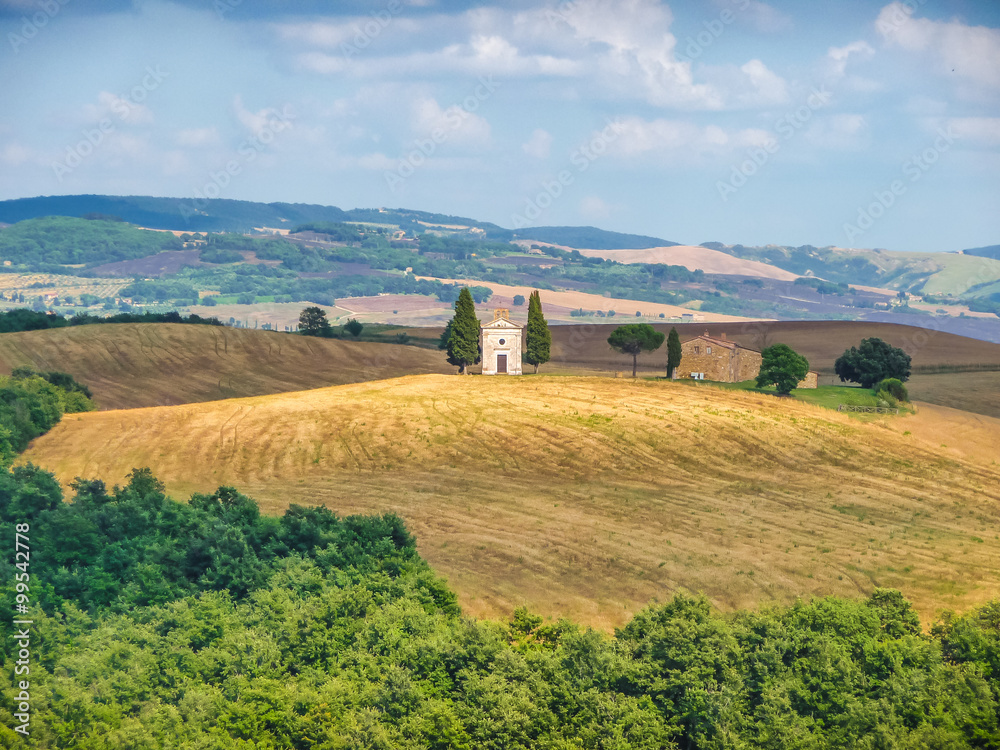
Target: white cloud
[(118, 109), (970, 52), (454, 124), (593, 207), (539, 145), (838, 57), (14, 154), (378, 162), (266, 119), (764, 17), (197, 137), (983, 131), (317, 33), (768, 88), (637, 137), (846, 132)]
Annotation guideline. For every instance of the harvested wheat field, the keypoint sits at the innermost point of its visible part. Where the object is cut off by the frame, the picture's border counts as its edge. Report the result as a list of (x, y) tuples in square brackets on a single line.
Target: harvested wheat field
[(588, 497), (129, 365)]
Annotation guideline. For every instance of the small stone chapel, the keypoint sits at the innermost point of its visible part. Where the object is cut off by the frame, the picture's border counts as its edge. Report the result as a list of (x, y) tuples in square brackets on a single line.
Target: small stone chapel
[(501, 345)]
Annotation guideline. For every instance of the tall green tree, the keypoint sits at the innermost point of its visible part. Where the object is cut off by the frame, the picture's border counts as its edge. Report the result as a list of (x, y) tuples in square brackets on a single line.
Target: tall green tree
[(782, 367), (674, 352), (463, 339), (354, 327), (538, 343), (634, 339), (872, 362), (313, 322)]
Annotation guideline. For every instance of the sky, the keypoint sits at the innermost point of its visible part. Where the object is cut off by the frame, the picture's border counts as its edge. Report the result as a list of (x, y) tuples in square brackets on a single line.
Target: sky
[(851, 123)]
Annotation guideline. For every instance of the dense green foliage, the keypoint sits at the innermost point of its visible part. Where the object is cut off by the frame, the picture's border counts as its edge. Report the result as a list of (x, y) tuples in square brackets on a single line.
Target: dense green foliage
[(354, 327), (23, 319), (872, 361), (990, 303), (463, 333), (42, 243), (823, 287), (892, 386), (207, 625), (538, 337), (313, 322), (334, 230), (674, 352), (782, 367), (32, 403), (634, 339)]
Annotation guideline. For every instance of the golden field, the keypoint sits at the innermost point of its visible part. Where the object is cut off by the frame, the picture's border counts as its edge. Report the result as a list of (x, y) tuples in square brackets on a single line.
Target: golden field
[(589, 497)]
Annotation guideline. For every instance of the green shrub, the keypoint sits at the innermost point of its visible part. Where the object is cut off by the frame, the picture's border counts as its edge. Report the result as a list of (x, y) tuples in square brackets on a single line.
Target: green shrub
[(893, 386)]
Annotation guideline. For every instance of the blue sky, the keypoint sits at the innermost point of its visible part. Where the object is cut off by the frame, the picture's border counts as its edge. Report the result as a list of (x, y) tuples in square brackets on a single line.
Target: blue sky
[(854, 124)]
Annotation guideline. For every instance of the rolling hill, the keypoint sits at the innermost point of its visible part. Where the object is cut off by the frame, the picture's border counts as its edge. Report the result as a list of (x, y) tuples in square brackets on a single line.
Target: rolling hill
[(589, 497), (153, 364), (131, 365)]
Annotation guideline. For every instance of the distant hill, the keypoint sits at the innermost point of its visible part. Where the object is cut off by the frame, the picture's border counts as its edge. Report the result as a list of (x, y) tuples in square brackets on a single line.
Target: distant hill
[(990, 251), (223, 215), (591, 238), (950, 274)]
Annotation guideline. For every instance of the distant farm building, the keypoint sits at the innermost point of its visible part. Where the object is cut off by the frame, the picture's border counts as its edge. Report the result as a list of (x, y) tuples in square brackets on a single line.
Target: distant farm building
[(501, 344), (708, 358), (811, 380)]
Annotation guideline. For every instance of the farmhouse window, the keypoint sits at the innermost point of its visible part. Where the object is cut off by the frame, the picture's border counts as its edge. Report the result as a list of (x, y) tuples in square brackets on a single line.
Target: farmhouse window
[(708, 350), (697, 350)]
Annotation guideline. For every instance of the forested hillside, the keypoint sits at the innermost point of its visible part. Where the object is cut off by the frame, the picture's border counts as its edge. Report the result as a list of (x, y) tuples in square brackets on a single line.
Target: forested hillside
[(159, 624)]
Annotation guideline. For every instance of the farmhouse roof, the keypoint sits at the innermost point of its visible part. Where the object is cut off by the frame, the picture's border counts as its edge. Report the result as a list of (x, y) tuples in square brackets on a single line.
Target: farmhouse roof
[(723, 342)]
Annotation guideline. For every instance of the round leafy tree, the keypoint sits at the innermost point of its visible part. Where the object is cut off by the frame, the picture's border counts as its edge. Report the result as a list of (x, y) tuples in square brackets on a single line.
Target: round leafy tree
[(634, 339), (872, 362), (782, 367), (313, 322)]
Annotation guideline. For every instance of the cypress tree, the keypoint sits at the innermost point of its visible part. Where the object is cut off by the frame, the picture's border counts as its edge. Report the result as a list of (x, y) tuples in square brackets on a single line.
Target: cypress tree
[(674, 352), (538, 343), (463, 340)]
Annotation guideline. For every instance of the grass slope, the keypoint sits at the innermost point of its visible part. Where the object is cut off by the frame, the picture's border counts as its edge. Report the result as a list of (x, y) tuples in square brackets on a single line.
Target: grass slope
[(589, 497), (149, 364)]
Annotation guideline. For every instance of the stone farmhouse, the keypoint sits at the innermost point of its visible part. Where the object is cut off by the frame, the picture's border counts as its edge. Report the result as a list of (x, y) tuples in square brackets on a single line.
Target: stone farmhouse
[(708, 358), (500, 342), (716, 358)]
